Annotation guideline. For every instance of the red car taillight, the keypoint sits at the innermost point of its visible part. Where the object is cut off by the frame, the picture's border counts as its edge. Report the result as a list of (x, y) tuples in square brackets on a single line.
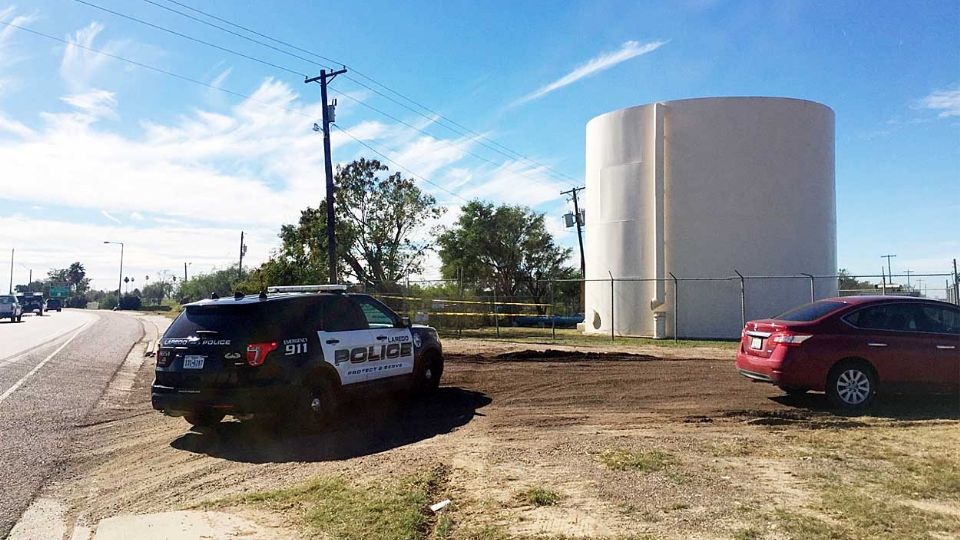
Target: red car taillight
[(792, 340), (257, 352)]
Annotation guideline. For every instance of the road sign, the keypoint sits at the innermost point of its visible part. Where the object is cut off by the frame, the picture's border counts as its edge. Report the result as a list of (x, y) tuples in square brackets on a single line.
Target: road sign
[(59, 291)]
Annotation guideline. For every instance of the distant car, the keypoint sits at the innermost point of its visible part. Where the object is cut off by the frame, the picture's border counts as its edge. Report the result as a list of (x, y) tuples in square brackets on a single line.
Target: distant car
[(54, 304), (32, 302), (10, 308), (291, 354), (851, 347)]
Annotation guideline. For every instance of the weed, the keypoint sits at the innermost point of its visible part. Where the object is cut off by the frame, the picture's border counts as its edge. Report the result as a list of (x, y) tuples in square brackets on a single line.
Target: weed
[(624, 460), (538, 496)]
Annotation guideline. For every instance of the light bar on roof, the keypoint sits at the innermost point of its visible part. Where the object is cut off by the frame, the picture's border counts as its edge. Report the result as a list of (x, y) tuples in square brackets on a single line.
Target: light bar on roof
[(306, 288)]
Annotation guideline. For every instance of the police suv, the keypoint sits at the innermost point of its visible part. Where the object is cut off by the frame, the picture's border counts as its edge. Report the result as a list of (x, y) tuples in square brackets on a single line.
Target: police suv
[(295, 352)]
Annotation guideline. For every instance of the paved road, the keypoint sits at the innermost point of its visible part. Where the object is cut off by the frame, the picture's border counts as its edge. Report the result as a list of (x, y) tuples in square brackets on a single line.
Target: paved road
[(53, 369)]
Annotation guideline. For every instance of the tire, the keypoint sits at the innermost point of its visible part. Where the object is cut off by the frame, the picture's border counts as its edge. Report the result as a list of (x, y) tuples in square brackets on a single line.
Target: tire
[(428, 374), (851, 385), (315, 407), (204, 418)]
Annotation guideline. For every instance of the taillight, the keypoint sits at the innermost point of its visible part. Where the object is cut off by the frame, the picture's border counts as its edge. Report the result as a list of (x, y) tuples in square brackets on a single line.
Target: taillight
[(257, 352), (163, 357), (793, 340)]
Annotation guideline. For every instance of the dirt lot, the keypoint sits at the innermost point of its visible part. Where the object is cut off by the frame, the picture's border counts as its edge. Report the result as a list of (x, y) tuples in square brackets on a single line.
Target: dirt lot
[(560, 443)]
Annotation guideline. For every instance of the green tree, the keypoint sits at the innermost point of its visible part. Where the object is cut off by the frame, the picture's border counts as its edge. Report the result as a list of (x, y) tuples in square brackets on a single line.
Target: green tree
[(156, 291), (380, 240), (223, 282), (851, 283), (77, 277), (505, 246)]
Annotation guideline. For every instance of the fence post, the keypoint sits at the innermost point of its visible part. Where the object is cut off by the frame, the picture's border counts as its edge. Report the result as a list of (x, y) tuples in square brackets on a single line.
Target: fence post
[(496, 318), (612, 336), (676, 306), (743, 301), (553, 313), (461, 309), (813, 294)]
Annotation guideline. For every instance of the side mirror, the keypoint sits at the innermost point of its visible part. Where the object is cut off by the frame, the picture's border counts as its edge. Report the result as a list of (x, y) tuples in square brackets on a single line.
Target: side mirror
[(405, 322)]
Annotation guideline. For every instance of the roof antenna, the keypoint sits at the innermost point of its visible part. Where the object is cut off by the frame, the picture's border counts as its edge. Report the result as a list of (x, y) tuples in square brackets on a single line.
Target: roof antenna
[(214, 296), (263, 294), (238, 295)]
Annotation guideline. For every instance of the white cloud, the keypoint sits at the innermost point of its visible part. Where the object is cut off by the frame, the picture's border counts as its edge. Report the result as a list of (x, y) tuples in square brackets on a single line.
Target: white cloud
[(628, 50), (947, 102), (95, 103), (217, 81), (110, 216), (79, 64)]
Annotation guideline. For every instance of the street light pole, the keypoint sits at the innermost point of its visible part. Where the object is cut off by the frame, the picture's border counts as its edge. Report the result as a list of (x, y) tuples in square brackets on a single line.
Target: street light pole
[(120, 281)]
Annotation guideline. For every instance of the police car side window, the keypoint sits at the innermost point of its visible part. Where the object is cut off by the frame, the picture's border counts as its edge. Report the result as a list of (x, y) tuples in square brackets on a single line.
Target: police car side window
[(376, 315), (342, 314)]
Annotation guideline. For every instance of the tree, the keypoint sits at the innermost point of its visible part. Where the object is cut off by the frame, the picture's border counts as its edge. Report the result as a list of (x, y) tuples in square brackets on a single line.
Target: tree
[(156, 291), (77, 277), (505, 246), (850, 283), (380, 221), (222, 282)]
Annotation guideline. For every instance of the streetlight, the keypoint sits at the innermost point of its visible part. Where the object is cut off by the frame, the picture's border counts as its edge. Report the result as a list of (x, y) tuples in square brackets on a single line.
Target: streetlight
[(120, 282)]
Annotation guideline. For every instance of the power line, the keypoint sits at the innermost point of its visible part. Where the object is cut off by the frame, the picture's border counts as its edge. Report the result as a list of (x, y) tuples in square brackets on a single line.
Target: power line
[(432, 115), (283, 68), (225, 90), (191, 38)]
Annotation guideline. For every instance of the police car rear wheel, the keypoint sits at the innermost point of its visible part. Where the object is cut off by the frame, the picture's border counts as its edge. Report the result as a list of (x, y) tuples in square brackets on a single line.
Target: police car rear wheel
[(316, 406)]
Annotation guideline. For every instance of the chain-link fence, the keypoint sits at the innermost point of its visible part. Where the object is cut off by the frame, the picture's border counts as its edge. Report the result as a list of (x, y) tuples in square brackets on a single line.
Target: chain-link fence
[(674, 308)]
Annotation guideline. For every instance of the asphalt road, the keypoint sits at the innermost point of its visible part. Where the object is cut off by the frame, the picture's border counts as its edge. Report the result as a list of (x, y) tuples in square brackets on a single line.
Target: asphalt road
[(53, 370)]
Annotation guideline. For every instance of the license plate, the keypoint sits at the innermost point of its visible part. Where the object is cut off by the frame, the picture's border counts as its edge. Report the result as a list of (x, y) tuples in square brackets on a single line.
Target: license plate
[(193, 361), (756, 343)]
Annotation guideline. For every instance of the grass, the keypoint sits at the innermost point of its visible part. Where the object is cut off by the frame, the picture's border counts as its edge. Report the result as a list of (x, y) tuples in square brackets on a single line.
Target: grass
[(338, 509), (643, 461), (538, 496), (572, 337)]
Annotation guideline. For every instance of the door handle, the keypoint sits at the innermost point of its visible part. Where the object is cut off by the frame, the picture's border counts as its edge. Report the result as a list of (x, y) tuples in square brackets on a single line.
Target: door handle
[(946, 347), (381, 338), (876, 344), (332, 341)]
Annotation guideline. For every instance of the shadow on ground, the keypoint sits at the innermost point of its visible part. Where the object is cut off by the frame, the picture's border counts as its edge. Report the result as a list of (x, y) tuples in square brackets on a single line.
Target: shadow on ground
[(814, 410), (365, 428), (892, 406)]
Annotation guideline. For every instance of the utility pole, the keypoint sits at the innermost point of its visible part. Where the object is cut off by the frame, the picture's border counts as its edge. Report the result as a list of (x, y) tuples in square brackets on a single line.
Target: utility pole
[(908, 278), (889, 273), (576, 217), (324, 79), (11, 271), (243, 248), (956, 283), (184, 270)]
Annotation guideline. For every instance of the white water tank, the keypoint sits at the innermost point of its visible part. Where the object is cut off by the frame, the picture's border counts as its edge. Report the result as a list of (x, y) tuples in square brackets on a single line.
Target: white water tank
[(700, 189)]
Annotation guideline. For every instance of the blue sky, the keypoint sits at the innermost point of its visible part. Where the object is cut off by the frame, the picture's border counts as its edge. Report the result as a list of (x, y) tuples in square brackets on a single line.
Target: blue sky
[(92, 148)]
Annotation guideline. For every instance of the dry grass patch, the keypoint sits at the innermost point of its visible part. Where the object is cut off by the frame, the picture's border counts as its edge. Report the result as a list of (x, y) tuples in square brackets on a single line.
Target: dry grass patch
[(640, 460)]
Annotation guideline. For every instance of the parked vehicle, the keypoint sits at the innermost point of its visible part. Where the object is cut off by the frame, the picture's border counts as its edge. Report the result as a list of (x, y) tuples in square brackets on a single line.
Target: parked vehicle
[(294, 353), (54, 304), (853, 347), (10, 308), (32, 302)]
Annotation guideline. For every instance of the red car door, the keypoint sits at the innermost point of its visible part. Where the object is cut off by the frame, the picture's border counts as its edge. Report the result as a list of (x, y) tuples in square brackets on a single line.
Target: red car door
[(887, 337), (940, 324)]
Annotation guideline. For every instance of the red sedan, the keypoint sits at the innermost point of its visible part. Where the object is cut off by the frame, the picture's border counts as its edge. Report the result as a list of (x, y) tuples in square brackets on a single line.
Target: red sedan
[(852, 346)]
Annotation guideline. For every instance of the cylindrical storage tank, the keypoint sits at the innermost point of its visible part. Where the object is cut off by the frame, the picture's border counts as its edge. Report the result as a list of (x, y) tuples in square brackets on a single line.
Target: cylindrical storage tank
[(704, 190)]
